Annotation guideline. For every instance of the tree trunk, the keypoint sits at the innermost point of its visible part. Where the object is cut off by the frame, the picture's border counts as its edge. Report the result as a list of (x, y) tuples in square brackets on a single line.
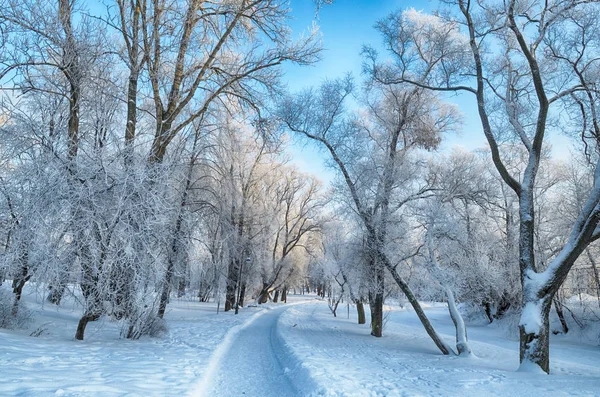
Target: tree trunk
[(242, 294), (284, 294), (418, 310), (121, 288), (161, 140), (166, 289), (264, 294), (176, 245), (276, 296), (360, 310), (376, 305), (83, 323), (18, 291), (181, 288), (230, 289), (91, 294), (131, 116), (376, 296), (462, 342), (488, 310), (19, 282), (60, 282), (534, 345), (503, 307)]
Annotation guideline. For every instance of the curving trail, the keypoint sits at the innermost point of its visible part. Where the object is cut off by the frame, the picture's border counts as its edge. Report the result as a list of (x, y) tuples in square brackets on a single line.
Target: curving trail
[(253, 364)]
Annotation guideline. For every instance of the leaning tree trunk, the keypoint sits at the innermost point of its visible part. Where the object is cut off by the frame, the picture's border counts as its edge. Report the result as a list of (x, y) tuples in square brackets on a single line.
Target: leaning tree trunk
[(444, 348), (173, 255), (462, 343), (263, 297), (176, 245)]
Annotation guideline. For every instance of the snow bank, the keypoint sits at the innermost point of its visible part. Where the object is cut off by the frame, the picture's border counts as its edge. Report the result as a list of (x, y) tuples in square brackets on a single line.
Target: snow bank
[(104, 364)]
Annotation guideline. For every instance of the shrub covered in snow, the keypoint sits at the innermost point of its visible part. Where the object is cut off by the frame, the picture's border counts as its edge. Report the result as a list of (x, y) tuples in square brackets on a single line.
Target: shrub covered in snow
[(7, 319)]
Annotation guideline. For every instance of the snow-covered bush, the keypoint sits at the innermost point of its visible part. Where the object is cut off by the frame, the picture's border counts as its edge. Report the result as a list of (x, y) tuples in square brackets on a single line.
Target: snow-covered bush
[(7, 320)]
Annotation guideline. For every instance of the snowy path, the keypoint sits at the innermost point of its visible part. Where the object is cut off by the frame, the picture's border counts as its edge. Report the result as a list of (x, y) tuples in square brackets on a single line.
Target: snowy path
[(293, 349), (255, 362)]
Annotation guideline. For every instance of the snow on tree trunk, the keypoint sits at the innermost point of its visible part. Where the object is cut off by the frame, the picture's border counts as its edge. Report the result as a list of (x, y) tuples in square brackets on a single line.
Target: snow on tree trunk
[(534, 326), (412, 299), (462, 343)]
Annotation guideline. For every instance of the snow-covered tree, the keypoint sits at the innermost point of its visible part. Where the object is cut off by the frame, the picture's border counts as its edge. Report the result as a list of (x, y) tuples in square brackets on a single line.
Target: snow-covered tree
[(525, 63)]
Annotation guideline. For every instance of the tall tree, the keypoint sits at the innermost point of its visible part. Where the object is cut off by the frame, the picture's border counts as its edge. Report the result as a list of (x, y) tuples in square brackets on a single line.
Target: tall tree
[(373, 160), (226, 49), (523, 62)]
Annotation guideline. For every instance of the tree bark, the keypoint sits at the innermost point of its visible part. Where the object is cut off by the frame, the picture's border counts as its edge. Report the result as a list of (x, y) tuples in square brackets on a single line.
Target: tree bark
[(419, 311), (181, 287), (131, 122), (488, 310), (20, 280), (534, 344), (230, 289), (503, 307), (376, 303), (242, 294), (83, 324), (360, 310), (264, 294), (91, 294)]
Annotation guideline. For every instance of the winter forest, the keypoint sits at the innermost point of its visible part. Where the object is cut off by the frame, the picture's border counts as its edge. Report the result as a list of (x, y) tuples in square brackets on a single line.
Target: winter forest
[(158, 235)]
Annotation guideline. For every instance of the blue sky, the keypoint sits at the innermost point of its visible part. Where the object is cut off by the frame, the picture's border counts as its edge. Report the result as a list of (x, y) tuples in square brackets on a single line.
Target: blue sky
[(345, 26)]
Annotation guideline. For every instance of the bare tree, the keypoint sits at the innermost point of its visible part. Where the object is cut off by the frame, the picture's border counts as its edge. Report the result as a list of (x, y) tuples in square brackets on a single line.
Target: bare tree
[(401, 120), (297, 211), (215, 53)]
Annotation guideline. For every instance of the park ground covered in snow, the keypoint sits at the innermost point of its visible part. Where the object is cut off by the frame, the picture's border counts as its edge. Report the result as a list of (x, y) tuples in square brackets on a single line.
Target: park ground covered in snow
[(297, 348)]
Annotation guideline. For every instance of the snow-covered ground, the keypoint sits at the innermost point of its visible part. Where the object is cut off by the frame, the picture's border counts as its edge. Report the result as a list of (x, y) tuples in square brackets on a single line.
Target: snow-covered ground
[(290, 349), (104, 364), (345, 360)]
